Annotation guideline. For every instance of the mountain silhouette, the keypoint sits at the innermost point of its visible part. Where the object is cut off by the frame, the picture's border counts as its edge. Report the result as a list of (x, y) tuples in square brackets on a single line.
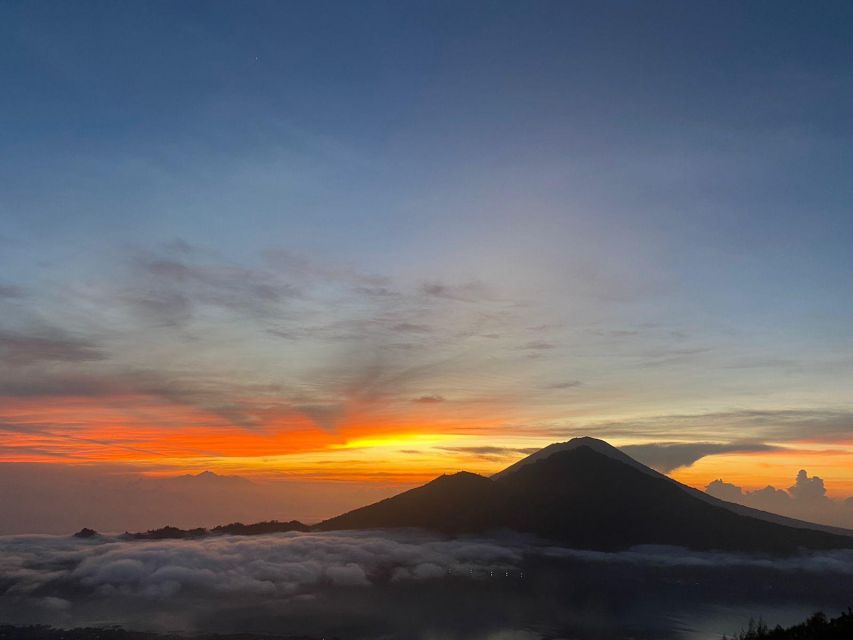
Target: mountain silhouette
[(587, 494), (609, 450)]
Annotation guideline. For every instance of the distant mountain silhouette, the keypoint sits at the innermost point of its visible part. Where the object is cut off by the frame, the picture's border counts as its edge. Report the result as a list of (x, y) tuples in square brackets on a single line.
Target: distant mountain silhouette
[(259, 528), (210, 478), (233, 529), (588, 494)]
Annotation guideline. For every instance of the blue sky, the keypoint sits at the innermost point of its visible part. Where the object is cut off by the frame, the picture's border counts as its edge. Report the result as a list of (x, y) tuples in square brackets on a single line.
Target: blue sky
[(579, 214)]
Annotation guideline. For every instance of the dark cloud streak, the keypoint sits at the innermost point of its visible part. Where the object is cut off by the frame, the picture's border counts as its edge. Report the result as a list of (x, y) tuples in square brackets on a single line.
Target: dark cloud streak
[(11, 291), (668, 456), (431, 399), (22, 349)]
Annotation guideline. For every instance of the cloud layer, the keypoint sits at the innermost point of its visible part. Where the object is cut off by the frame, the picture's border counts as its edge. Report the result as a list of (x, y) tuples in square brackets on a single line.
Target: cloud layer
[(284, 565), (60, 579), (393, 585)]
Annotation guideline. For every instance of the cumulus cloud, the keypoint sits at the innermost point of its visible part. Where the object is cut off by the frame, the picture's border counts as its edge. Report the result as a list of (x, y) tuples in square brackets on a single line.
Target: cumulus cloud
[(806, 499), (805, 488)]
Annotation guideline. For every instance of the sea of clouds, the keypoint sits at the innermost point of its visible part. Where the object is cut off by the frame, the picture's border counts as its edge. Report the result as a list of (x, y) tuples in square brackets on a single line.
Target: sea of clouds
[(363, 584), (284, 565)]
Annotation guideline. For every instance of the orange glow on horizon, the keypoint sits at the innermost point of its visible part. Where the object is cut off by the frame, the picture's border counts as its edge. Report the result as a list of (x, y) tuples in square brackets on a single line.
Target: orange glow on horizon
[(164, 438), (757, 470), (395, 445)]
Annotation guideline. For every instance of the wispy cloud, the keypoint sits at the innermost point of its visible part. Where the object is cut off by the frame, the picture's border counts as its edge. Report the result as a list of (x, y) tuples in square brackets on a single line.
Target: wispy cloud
[(10, 291), (467, 292), (492, 453), (567, 384), (20, 349), (167, 288), (538, 345), (430, 399), (259, 346), (763, 425)]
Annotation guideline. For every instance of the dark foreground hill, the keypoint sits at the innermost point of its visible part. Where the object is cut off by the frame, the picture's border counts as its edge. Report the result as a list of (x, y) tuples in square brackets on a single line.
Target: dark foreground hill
[(44, 632), (817, 627), (586, 495)]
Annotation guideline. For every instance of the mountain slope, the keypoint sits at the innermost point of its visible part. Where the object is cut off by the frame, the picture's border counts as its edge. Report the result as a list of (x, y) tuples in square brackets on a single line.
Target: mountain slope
[(609, 450), (584, 498), (602, 447), (587, 496), (459, 503)]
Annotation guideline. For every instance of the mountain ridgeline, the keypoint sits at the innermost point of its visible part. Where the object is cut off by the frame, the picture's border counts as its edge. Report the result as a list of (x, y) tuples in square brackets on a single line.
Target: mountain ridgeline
[(587, 494)]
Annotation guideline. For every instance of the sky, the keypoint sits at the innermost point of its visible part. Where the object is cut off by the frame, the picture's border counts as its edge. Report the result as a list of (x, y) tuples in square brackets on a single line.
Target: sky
[(357, 245)]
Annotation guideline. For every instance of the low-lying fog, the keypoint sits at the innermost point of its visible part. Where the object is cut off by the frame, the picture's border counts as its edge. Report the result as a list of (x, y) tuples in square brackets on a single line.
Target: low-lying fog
[(408, 585)]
